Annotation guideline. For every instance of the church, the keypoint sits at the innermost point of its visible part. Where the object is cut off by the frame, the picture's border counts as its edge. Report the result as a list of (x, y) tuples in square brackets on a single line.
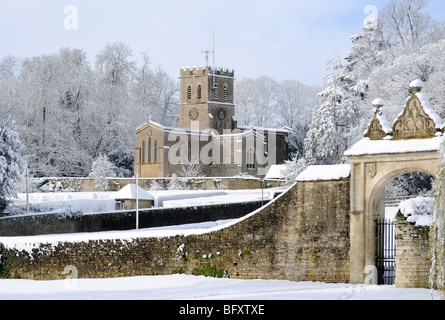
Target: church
[(207, 134)]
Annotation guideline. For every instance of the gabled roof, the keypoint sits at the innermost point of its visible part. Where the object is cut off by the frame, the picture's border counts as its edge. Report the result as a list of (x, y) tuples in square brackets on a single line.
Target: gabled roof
[(151, 124), (129, 193)]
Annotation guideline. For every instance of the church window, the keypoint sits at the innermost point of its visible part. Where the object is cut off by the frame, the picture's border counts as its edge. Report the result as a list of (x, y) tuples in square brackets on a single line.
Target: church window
[(225, 93), (156, 151), (143, 151), (149, 150), (215, 92), (199, 91), (250, 158), (189, 92)]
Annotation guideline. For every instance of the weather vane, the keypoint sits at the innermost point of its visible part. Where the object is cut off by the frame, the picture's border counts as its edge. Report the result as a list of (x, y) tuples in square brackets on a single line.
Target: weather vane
[(207, 52)]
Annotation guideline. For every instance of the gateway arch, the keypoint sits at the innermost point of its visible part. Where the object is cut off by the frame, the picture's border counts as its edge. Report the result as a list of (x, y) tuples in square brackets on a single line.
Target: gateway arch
[(411, 144)]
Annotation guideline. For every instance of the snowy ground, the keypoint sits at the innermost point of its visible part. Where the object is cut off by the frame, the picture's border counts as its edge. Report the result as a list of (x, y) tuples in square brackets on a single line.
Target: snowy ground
[(184, 287)]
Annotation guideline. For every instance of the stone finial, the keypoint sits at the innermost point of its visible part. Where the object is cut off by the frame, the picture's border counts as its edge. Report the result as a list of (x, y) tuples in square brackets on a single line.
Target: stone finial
[(378, 128), (416, 86), (378, 103)]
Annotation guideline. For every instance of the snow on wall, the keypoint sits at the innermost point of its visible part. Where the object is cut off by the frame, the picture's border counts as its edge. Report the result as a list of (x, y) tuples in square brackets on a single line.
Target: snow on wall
[(327, 172), (418, 210), (368, 146)]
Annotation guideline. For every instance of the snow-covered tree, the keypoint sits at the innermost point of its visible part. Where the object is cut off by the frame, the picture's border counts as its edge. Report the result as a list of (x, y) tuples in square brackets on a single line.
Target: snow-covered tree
[(175, 183), (337, 123), (407, 26), (11, 162), (334, 123), (256, 101), (102, 169), (191, 170), (293, 168), (295, 141)]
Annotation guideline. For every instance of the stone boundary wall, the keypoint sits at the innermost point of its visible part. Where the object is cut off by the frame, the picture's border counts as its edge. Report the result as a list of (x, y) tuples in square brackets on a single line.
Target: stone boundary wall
[(302, 235), (413, 260), (201, 183), (40, 224)]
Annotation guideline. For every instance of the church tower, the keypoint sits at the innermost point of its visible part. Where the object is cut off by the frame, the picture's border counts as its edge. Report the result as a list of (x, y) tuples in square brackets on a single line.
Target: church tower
[(206, 99)]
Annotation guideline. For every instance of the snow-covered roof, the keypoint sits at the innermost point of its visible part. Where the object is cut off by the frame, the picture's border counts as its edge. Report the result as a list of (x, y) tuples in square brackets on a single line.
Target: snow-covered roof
[(129, 192), (368, 146), (327, 172), (275, 172), (150, 123)]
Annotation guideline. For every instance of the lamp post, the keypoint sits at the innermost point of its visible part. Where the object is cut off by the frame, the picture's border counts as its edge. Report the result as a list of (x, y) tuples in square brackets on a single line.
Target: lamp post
[(137, 201)]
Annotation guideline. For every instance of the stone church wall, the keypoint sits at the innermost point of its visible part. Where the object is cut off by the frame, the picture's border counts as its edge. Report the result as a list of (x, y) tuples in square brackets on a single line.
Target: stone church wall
[(201, 183), (302, 235)]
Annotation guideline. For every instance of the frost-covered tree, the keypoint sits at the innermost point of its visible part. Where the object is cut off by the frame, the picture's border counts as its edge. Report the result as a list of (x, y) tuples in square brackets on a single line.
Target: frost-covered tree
[(337, 123), (102, 170), (175, 183), (11, 162), (407, 26), (256, 101), (333, 124), (191, 170), (295, 141), (292, 168)]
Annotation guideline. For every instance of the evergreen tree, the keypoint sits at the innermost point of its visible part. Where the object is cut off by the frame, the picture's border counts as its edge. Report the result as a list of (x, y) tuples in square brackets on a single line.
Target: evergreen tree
[(11, 162), (102, 170), (336, 124)]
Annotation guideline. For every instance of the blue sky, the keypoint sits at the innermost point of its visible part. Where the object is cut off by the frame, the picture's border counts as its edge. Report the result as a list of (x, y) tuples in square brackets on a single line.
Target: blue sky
[(284, 39)]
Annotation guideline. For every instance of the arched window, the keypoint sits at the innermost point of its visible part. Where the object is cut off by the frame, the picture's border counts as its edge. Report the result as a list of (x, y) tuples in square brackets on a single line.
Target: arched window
[(143, 151), (199, 91), (149, 150), (156, 151), (250, 158), (189, 92), (225, 93)]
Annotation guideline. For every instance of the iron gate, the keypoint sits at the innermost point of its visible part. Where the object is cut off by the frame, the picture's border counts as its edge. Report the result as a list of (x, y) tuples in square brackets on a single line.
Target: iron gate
[(385, 251)]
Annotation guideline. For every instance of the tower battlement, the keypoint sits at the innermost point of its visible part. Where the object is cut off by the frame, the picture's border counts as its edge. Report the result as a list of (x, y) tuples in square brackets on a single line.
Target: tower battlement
[(205, 71)]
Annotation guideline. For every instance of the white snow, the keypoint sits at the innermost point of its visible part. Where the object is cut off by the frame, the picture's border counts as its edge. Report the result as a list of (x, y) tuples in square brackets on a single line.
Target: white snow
[(378, 102), (27, 243), (327, 172), (30, 242), (228, 196), (418, 210), (85, 202), (275, 172), (429, 110), (186, 287), (98, 202), (129, 192), (416, 84), (384, 123), (368, 146)]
